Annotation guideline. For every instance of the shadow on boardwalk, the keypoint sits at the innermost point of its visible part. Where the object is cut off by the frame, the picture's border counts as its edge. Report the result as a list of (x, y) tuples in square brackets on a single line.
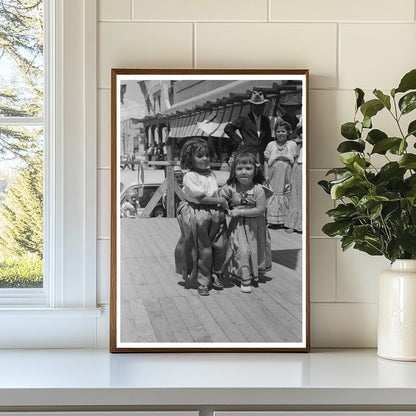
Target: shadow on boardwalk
[(155, 307)]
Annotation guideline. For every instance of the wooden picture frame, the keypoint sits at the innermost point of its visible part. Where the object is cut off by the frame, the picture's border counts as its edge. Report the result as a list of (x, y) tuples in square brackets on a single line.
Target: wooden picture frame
[(154, 113)]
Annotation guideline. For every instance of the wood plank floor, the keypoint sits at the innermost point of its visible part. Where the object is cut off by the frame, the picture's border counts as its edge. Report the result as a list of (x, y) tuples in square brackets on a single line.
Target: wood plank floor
[(155, 306)]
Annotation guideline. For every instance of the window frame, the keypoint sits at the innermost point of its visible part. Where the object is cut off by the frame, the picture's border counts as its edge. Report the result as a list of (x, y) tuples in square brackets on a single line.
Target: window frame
[(28, 317)]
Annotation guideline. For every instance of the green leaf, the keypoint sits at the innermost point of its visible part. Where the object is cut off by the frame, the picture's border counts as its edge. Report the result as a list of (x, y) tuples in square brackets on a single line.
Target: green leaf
[(359, 95), (369, 201), (349, 146), (408, 103), (350, 186), (325, 186), (393, 250), (408, 82), (383, 145), (385, 99), (375, 136), (350, 131), (371, 108), (411, 130), (398, 149), (361, 231), (346, 242), (348, 158), (333, 229), (408, 161), (359, 165), (342, 211), (338, 171), (367, 122), (375, 212), (407, 239), (369, 248), (391, 170)]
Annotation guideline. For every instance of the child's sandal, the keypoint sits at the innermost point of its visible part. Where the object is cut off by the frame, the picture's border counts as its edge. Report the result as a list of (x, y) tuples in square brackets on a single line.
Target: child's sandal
[(217, 282)]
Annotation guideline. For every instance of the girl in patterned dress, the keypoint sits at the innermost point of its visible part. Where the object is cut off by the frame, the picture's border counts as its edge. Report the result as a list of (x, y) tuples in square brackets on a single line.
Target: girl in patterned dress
[(200, 251), (279, 157), (249, 248)]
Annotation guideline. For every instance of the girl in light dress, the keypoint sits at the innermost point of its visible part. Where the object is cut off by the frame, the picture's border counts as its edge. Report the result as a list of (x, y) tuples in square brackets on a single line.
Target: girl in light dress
[(279, 157), (201, 249), (249, 248)]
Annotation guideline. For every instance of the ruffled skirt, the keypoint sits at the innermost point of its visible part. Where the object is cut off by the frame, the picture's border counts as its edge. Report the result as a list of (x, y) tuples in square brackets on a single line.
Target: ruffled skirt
[(202, 247)]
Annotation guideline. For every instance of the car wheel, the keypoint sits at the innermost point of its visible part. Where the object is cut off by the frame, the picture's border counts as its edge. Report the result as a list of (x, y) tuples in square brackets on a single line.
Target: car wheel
[(159, 212)]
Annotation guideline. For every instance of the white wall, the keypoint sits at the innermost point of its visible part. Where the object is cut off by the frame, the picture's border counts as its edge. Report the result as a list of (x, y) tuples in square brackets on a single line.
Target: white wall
[(345, 44)]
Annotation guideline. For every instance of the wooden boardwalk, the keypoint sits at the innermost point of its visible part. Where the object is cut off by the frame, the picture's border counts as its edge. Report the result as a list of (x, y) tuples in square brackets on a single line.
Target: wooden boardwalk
[(155, 306)]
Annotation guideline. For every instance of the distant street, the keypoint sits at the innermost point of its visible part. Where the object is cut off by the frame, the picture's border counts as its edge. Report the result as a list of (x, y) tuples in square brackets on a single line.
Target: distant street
[(152, 175)]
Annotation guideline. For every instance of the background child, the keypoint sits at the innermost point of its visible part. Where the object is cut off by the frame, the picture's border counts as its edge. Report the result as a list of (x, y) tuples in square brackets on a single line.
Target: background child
[(201, 249), (249, 250), (129, 207), (279, 158), (294, 216)]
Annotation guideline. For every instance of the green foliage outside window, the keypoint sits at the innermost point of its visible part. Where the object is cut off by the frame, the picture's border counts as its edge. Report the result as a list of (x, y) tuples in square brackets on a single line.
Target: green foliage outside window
[(21, 147)]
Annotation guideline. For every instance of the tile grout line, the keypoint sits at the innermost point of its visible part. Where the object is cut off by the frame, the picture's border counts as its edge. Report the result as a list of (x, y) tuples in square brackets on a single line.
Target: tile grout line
[(338, 63), (269, 11), (254, 21), (131, 9), (336, 271), (194, 62)]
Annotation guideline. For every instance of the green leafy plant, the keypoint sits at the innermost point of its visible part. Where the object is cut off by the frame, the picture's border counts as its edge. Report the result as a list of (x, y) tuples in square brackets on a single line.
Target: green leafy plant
[(376, 210)]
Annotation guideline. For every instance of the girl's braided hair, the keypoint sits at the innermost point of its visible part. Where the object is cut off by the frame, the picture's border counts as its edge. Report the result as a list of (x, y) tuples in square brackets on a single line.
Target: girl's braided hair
[(246, 158), (190, 148)]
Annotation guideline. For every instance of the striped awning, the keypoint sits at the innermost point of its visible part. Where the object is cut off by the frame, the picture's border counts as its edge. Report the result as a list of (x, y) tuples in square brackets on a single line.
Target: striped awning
[(209, 119), (205, 123)]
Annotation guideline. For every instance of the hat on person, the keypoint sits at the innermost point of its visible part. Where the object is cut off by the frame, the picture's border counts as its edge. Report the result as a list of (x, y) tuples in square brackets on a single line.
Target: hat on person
[(257, 97)]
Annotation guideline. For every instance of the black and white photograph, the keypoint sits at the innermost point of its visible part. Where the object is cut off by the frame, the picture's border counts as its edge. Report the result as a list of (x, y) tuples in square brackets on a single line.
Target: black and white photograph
[(209, 210)]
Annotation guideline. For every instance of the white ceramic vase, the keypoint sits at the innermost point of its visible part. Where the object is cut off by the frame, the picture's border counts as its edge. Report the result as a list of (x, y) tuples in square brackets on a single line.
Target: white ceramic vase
[(397, 312)]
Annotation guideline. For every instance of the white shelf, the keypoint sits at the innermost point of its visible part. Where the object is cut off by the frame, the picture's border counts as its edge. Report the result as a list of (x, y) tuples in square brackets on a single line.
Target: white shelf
[(335, 378)]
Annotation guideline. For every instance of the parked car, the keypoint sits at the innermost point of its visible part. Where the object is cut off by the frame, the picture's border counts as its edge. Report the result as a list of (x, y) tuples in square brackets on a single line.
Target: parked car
[(148, 191)]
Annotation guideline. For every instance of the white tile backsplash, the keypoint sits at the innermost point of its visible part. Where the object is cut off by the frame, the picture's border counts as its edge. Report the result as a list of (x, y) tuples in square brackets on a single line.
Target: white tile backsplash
[(323, 266), (341, 10), (200, 10), (357, 275), (270, 46), (345, 44), (388, 54), (114, 10), (142, 45), (349, 325)]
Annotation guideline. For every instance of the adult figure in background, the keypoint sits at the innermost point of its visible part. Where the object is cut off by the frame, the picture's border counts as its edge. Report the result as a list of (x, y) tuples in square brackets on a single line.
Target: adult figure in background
[(254, 128), (279, 155)]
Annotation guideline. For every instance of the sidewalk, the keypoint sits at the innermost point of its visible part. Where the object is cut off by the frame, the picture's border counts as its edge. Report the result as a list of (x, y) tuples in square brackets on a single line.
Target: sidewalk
[(155, 306)]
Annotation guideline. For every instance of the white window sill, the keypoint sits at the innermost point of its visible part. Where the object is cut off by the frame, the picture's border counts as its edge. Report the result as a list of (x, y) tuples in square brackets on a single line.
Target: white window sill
[(36, 312), (40, 327)]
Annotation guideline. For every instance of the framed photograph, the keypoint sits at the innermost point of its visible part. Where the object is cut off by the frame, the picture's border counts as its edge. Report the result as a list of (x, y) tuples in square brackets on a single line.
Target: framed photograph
[(209, 210)]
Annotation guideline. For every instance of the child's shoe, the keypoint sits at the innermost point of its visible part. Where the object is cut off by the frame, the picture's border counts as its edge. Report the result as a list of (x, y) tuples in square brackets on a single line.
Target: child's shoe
[(217, 282), (246, 288), (203, 291), (262, 277)]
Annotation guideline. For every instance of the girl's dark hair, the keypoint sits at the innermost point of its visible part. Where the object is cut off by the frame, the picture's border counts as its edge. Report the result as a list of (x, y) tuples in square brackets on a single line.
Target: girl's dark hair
[(283, 124), (190, 148), (246, 158)]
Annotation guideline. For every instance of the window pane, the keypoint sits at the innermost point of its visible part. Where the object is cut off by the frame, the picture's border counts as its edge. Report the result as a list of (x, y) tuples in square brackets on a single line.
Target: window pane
[(21, 58), (21, 207)]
